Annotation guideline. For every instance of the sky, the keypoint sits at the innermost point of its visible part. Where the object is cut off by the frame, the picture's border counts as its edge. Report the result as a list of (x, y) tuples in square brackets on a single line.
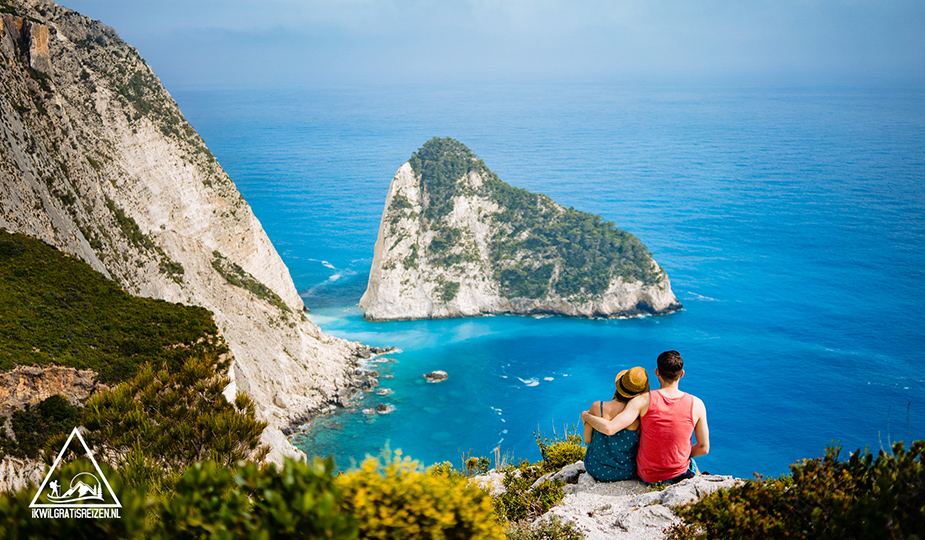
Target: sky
[(289, 42)]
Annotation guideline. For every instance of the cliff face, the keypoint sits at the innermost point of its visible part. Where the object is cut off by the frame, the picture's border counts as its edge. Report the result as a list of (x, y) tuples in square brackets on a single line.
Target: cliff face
[(97, 160), (456, 241)]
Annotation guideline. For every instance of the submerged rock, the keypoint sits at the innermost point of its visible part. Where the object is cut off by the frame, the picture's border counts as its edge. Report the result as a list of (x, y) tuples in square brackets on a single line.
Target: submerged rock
[(384, 408), (436, 376)]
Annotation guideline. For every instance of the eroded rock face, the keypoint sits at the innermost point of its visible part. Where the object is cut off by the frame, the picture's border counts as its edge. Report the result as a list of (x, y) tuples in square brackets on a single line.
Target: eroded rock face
[(97, 160), (456, 241), (30, 385)]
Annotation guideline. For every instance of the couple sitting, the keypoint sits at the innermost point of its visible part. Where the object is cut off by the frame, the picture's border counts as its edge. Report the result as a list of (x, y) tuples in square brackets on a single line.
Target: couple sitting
[(646, 433)]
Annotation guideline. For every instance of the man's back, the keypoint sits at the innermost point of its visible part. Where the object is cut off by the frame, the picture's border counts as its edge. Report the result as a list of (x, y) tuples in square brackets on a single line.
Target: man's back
[(665, 436)]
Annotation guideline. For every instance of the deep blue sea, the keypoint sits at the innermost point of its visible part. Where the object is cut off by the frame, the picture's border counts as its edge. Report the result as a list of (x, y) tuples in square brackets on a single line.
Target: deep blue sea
[(791, 221)]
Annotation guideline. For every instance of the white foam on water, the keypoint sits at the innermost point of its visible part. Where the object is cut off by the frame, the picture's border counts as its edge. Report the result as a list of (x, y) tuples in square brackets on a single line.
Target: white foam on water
[(529, 382)]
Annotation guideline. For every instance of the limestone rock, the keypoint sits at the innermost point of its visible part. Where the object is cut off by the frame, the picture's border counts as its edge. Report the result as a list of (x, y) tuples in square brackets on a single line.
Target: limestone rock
[(16, 473), (492, 481), (97, 160), (629, 509), (456, 241), (569, 474)]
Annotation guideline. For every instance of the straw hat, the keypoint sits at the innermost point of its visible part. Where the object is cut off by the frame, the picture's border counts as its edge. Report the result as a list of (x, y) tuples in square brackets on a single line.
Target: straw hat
[(632, 382)]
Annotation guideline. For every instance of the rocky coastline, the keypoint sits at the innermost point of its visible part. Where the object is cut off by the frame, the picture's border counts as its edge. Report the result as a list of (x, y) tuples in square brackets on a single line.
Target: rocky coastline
[(99, 162)]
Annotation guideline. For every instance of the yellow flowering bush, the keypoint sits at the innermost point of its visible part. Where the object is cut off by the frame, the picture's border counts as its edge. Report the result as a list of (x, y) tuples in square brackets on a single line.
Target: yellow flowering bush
[(393, 498)]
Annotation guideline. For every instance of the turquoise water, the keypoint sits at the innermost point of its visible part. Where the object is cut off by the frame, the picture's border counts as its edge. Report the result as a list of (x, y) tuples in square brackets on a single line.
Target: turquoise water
[(790, 221)]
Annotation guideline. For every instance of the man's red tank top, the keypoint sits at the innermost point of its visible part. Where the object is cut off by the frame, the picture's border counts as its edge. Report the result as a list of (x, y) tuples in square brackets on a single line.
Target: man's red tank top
[(665, 437)]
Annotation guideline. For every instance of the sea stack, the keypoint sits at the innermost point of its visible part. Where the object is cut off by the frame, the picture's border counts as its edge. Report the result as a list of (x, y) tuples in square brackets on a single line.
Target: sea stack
[(456, 241)]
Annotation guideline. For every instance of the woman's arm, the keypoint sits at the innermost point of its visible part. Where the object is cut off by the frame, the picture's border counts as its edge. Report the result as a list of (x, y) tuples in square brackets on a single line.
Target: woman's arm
[(596, 406)]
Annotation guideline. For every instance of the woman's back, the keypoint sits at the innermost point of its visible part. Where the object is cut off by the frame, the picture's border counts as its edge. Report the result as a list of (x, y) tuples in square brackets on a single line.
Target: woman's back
[(612, 457)]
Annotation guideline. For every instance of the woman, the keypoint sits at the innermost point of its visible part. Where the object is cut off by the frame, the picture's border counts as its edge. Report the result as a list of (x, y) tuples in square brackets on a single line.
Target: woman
[(613, 457)]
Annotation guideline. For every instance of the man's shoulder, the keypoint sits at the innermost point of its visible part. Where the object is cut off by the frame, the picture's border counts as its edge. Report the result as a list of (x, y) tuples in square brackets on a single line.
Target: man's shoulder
[(698, 403)]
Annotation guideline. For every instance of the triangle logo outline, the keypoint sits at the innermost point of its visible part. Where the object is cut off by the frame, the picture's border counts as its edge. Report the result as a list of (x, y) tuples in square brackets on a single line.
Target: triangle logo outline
[(54, 467)]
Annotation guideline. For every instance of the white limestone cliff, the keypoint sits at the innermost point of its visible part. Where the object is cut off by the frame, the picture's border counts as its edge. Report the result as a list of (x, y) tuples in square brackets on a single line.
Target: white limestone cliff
[(406, 280), (97, 160)]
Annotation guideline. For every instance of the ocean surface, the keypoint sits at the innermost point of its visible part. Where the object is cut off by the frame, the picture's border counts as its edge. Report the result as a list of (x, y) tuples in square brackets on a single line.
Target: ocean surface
[(791, 221)]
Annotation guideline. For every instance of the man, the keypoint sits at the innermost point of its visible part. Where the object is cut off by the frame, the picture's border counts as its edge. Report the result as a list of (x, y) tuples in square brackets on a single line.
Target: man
[(668, 418)]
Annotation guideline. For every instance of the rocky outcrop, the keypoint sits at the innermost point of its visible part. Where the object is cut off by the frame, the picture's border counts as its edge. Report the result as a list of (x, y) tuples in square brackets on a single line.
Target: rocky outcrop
[(97, 160), (16, 473), (630, 510), (456, 241), (30, 385)]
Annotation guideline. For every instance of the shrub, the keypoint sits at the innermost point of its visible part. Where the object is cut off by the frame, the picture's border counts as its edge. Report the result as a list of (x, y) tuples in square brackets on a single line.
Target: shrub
[(393, 498), (559, 452), (822, 498), (445, 470), (477, 465), (519, 501), (35, 425), (17, 523), (215, 501), (552, 528), (168, 420)]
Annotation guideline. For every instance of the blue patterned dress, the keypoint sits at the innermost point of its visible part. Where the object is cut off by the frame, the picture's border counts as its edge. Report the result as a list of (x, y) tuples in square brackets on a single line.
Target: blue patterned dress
[(610, 458)]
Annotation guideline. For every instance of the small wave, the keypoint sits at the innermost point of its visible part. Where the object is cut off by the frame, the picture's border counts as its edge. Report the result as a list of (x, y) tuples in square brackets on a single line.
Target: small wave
[(529, 382), (335, 277), (548, 378), (326, 264), (702, 297)]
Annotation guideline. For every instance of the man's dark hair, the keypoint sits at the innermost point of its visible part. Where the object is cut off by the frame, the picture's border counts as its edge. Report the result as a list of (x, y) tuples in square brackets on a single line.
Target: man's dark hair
[(670, 365)]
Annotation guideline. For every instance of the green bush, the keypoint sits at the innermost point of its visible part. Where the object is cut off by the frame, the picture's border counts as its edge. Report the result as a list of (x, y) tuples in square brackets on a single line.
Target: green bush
[(35, 425), (558, 452), (167, 420), (521, 502), (244, 501), (477, 465), (17, 523), (822, 498), (552, 528), (394, 499)]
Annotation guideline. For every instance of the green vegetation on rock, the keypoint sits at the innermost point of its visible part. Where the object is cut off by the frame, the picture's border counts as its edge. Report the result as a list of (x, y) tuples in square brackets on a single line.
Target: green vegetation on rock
[(58, 310), (823, 498), (532, 234), (33, 426), (238, 277)]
